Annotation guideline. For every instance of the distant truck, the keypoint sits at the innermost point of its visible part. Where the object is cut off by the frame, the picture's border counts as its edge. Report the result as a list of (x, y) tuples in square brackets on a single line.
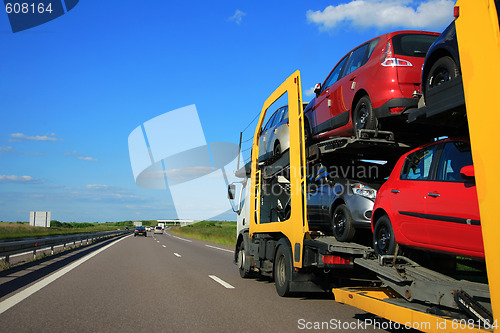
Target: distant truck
[(137, 224), (162, 225)]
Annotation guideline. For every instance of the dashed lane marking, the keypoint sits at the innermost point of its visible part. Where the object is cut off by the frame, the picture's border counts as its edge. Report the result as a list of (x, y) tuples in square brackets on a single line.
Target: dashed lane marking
[(177, 255), (222, 282)]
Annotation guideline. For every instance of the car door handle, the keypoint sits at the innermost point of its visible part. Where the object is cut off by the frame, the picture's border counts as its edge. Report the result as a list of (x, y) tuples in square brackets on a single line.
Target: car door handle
[(395, 191), (434, 195)]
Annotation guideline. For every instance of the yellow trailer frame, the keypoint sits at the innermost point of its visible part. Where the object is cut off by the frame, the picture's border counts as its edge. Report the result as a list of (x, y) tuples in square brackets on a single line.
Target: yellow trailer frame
[(296, 227)]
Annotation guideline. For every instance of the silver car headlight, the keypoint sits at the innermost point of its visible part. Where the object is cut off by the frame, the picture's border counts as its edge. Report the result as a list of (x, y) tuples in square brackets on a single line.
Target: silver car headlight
[(364, 191)]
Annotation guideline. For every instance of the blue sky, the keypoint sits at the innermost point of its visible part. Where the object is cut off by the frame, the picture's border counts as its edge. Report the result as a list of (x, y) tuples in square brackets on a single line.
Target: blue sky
[(73, 89)]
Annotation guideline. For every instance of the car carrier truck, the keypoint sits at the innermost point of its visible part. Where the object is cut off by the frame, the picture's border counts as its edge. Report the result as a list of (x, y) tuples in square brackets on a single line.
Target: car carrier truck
[(274, 238)]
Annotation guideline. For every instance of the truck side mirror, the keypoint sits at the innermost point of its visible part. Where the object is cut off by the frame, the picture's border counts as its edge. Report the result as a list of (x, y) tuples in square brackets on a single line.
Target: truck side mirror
[(317, 89), (467, 172), (231, 191)]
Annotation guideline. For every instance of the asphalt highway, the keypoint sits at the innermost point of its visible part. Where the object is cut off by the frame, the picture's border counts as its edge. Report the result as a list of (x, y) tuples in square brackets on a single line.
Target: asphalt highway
[(160, 283)]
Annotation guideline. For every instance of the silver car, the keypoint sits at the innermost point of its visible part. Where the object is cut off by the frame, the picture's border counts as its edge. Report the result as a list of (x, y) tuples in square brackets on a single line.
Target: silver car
[(340, 205), (274, 138)]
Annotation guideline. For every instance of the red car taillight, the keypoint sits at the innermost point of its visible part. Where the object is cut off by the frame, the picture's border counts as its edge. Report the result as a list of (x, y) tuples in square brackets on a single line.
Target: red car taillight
[(388, 60)]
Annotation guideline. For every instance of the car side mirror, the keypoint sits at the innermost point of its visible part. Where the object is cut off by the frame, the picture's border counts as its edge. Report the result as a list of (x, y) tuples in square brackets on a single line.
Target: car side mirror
[(317, 89), (231, 191), (467, 172)]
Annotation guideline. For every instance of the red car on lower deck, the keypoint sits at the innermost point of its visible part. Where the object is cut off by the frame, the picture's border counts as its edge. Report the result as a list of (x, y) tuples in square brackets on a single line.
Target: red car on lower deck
[(430, 202)]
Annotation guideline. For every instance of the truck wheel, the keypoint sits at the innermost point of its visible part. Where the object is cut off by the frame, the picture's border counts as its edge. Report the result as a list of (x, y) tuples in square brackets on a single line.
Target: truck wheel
[(384, 242), (283, 271), (343, 229), (242, 258), (363, 116)]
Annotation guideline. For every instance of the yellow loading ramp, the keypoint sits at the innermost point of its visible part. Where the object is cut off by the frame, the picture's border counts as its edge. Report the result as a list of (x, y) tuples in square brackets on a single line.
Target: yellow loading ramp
[(479, 45)]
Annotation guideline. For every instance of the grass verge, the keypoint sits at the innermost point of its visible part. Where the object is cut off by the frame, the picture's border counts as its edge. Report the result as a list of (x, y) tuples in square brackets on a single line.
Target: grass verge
[(219, 232), (12, 230)]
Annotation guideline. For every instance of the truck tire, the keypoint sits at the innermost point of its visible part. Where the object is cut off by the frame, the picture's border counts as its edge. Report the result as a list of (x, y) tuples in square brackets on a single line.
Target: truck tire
[(384, 242), (343, 230), (283, 271), (244, 273)]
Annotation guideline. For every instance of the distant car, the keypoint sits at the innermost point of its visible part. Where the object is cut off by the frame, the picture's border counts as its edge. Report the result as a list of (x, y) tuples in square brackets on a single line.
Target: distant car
[(140, 231), (127, 228), (430, 202), (274, 138), (148, 228), (372, 83), (158, 230), (442, 62), (340, 205)]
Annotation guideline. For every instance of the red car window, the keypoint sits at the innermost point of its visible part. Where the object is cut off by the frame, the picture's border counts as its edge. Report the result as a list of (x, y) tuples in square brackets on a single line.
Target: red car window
[(356, 59), (455, 156), (418, 164), (335, 75)]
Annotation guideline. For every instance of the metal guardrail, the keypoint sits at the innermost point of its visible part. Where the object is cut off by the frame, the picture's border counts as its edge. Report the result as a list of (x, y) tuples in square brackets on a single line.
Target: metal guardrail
[(8, 248)]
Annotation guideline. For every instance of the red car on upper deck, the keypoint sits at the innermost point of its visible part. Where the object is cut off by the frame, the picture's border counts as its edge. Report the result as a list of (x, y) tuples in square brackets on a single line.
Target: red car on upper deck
[(372, 83)]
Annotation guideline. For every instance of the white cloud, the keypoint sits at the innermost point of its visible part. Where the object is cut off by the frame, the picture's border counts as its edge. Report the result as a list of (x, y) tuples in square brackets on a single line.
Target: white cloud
[(7, 149), (90, 159), (71, 153), (96, 186), (98, 192), (21, 136), (309, 92), (237, 17), (20, 179), (406, 14)]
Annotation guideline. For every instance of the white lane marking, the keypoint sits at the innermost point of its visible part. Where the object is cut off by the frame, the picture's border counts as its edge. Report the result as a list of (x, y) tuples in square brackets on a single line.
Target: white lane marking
[(13, 300), (187, 240), (163, 245), (222, 282), (219, 248), (157, 241), (177, 255)]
